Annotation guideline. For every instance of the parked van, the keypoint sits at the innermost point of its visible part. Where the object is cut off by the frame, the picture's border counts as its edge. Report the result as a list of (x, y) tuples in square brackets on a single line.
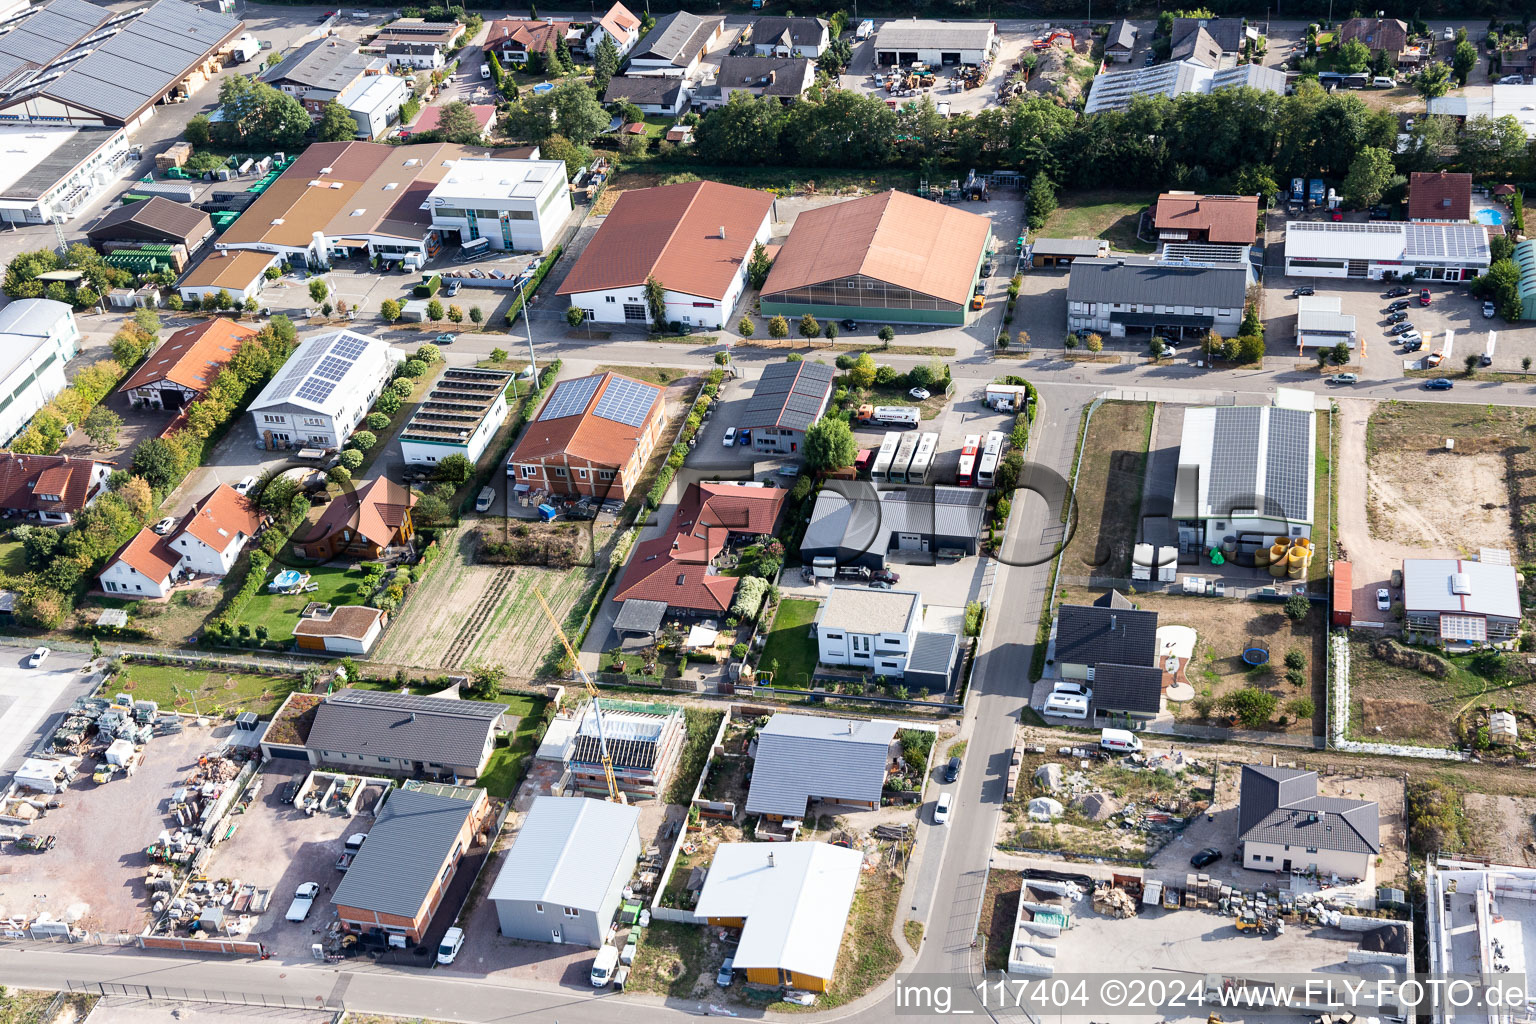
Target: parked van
[(602, 967), (483, 502), (1120, 741), (453, 941), (485, 71), (1067, 705), (1383, 82)]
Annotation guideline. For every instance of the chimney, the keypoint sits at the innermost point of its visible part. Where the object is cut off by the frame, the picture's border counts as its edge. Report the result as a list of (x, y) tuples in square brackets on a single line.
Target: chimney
[(770, 858), (772, 76), (722, 230)]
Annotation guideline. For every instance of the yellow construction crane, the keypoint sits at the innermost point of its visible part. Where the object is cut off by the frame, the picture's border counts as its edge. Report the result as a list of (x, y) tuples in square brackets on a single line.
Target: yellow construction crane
[(586, 680)]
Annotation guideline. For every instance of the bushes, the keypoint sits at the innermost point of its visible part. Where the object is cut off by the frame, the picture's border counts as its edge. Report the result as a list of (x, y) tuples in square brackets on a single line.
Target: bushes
[(1436, 817), (699, 727), (532, 287), (429, 287), (750, 592), (1250, 706)]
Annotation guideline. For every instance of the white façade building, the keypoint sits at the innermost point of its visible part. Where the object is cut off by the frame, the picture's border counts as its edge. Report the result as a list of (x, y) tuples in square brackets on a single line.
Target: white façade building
[(695, 238), (459, 416), (37, 337), (514, 204), (323, 391), (205, 544), (869, 629), (1374, 250)]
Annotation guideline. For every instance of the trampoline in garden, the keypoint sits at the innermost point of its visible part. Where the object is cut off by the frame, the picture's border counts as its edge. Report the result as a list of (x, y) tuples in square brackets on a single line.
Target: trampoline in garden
[(1256, 652)]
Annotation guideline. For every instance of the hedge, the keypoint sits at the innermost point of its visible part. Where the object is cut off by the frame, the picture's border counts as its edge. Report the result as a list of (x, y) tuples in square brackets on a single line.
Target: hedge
[(532, 287), (706, 395), (429, 287)]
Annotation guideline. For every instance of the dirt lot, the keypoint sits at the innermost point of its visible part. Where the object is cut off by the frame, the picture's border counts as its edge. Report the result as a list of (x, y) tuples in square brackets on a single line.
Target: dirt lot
[(97, 867), (1503, 827), (1394, 702), (279, 847), (1109, 490), (1223, 628), (465, 613)]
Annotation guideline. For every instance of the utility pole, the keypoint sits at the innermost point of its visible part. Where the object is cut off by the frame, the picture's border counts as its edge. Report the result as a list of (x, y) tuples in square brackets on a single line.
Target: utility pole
[(528, 328)]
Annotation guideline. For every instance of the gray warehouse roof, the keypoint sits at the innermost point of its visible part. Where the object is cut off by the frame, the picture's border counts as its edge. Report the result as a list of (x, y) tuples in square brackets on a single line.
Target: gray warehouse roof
[(862, 524), (394, 871), (568, 852), (431, 729), (677, 37), (800, 756), (788, 395), (1281, 805), (1460, 586), (1095, 635), (1130, 279), (324, 63), (643, 89), (918, 34), (1246, 457)]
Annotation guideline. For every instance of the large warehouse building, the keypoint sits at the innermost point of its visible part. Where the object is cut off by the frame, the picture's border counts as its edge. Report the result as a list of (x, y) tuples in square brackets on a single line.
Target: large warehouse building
[(1374, 250), (891, 257), (934, 42), (1135, 293)]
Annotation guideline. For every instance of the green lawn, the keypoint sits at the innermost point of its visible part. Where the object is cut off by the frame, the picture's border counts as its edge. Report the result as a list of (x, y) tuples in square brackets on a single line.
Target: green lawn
[(505, 769), (1106, 214), (280, 612), (206, 692), (791, 644), (13, 559)]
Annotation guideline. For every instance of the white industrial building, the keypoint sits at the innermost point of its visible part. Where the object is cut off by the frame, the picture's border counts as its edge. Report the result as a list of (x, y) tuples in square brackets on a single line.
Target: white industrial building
[(37, 337), (458, 417), (1322, 323), (323, 391), (1480, 920), (1495, 101), (374, 103), (1247, 472), (1114, 90), (1460, 601), (54, 170), (934, 42), (1375, 250), (515, 204)]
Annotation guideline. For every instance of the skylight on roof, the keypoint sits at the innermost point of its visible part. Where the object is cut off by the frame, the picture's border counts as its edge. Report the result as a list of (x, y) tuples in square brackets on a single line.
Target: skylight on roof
[(391, 186)]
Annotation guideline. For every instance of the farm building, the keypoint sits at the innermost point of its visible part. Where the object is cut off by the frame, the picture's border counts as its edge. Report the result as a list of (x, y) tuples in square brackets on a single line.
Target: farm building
[(156, 220), (890, 257)]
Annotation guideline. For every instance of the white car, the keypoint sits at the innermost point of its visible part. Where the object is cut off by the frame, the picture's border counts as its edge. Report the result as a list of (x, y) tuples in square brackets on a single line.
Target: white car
[(244, 486), (730, 437), (165, 525), (1488, 311), (303, 901), (941, 809), (453, 941), (1383, 599), (37, 657), (1073, 687), (920, 394)]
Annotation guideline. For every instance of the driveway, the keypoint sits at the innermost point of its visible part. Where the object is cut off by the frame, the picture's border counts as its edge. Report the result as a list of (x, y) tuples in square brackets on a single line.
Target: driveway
[(31, 699)]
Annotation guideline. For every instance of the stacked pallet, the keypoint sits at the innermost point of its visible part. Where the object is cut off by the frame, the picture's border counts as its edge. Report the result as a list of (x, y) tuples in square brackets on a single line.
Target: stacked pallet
[(174, 156), (1013, 771)]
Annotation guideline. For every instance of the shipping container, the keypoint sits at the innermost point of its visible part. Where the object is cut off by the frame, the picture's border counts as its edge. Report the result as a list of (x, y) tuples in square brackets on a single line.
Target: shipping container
[(1342, 594)]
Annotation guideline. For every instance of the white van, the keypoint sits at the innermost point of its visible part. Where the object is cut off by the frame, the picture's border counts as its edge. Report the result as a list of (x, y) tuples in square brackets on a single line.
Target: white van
[(602, 967), (485, 71), (1120, 741), (453, 941), (1383, 82), (1067, 705), (483, 502)]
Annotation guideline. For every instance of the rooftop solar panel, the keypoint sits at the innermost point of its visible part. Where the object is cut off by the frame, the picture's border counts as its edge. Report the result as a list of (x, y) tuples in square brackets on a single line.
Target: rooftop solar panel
[(348, 347), (1234, 460), (1288, 462), (570, 397), (332, 368), (626, 401), (316, 389)]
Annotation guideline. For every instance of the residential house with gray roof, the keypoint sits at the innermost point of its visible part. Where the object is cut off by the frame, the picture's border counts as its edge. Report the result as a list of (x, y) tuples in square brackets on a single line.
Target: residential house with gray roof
[(1115, 296), (397, 881), (789, 37), (783, 78), (677, 45), (653, 94), (1111, 645), (564, 877), (1121, 41), (806, 759), (1214, 42), (321, 70), (399, 733), (788, 398), (1284, 825)]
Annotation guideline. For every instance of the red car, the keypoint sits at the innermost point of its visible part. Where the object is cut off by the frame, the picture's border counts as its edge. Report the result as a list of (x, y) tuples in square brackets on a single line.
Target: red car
[(1423, 296)]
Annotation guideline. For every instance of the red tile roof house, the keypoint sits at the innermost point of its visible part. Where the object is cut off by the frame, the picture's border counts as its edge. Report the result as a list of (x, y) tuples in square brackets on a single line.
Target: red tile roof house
[(372, 523), (1439, 195), (1389, 34), (514, 39), (678, 568), (1221, 220), (592, 436), (183, 369), (694, 238), (50, 489), (620, 25), (207, 544)]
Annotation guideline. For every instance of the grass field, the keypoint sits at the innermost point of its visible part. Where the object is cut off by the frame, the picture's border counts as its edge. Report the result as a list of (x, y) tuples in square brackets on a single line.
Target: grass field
[(13, 559), (790, 645), (200, 690), (505, 768), (280, 612), (1396, 703), (650, 374), (1108, 490), (1109, 215)]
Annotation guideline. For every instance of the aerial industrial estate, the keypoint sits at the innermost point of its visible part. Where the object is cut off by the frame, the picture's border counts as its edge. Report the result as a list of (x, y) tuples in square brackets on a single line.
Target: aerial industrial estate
[(631, 514)]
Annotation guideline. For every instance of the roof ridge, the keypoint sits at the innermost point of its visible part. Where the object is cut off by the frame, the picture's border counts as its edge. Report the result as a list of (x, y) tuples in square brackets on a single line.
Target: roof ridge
[(676, 226)]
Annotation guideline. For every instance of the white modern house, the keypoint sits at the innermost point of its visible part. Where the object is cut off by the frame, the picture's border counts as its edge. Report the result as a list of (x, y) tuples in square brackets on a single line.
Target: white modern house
[(870, 629), (205, 544), (1285, 826), (514, 204), (145, 567), (374, 103), (324, 390), (695, 238), (37, 337), (620, 25), (462, 413)]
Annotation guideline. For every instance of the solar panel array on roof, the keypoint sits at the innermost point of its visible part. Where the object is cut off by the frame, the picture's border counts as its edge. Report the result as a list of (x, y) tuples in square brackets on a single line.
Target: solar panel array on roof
[(1288, 462), (332, 368), (1462, 243), (53, 30), (316, 390), (788, 395), (348, 348), (570, 397), (1234, 460), (626, 401), (296, 374)]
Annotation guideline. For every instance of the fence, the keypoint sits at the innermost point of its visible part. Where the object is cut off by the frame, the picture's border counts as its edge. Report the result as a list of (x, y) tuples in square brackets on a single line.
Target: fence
[(201, 947), (175, 656), (195, 995), (658, 911)]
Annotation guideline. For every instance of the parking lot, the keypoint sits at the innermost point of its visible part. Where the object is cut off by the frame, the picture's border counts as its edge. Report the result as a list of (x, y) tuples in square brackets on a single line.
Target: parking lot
[(279, 847), (30, 699), (94, 874)]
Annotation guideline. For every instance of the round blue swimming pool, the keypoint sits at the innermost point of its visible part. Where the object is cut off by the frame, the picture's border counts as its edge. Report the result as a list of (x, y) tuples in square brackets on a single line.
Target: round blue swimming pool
[(1489, 216)]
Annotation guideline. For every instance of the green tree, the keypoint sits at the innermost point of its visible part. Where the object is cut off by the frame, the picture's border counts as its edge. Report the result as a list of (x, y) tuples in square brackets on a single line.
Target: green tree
[(498, 355), (455, 469), (1494, 145), (455, 314), (778, 327), (101, 426), (318, 289), (1256, 180), (570, 109), (605, 63), (809, 327), (389, 310), (1301, 708), (476, 315), (1463, 60), (363, 440), (1369, 176), (829, 331), (746, 130), (745, 327), (1297, 607), (829, 445), (886, 333), (197, 131), (376, 421), (456, 123), (759, 265), (575, 315), (352, 459), (1354, 57), (1042, 200), (656, 301), (862, 373), (1433, 81), (434, 310), (336, 125), (1251, 706)]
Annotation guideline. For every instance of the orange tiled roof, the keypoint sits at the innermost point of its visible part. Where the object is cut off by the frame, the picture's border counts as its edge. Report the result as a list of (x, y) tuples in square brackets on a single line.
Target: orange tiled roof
[(193, 356), (221, 514), (149, 554)]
